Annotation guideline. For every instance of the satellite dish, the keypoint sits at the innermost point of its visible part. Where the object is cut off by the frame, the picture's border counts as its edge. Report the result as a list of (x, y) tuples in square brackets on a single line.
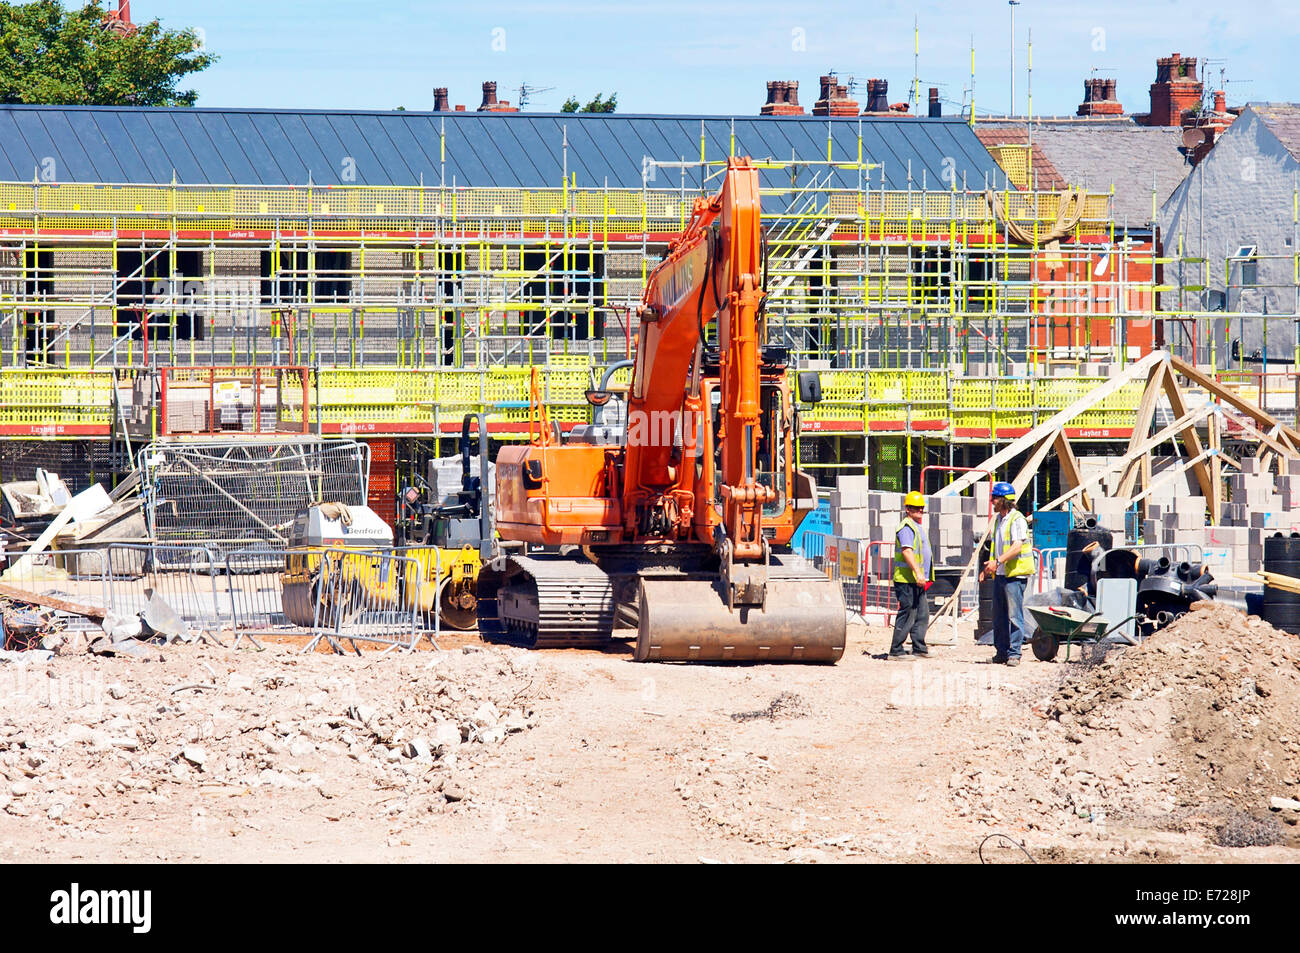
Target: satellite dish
[(1193, 137)]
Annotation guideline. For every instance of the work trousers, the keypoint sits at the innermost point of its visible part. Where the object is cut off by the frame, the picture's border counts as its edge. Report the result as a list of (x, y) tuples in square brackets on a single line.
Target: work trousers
[(1008, 615), (913, 617)]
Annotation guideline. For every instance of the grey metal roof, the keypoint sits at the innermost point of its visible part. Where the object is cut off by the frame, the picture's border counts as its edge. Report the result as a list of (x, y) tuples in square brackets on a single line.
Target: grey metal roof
[(279, 147), (1097, 153)]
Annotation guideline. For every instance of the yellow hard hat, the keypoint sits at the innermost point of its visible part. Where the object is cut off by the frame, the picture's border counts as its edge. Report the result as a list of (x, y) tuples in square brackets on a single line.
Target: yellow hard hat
[(914, 499)]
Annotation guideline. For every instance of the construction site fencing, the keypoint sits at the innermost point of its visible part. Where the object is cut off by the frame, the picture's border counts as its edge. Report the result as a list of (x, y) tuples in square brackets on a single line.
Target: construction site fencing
[(254, 590), (381, 595), (75, 575), (235, 493), (842, 561), (121, 578), (182, 576), (363, 597)]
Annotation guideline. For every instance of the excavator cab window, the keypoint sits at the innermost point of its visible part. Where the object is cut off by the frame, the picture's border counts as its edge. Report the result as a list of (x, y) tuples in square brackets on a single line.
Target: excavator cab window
[(773, 447)]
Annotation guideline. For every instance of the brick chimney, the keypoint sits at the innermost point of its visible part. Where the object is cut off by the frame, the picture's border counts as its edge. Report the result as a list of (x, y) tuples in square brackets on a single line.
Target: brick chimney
[(782, 98), (1099, 99), (936, 110), (490, 102), (877, 96), (119, 20), (834, 100), (1175, 90), (440, 102)]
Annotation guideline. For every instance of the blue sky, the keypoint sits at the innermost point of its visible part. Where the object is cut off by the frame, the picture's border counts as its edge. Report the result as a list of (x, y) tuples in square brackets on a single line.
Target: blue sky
[(714, 57)]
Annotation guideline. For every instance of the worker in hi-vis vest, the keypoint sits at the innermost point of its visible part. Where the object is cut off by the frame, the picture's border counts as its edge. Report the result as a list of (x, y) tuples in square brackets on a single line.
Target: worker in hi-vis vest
[(913, 577), (1010, 568)]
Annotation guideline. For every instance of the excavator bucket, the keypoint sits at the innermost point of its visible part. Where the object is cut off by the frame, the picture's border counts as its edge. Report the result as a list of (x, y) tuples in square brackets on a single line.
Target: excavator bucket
[(688, 621)]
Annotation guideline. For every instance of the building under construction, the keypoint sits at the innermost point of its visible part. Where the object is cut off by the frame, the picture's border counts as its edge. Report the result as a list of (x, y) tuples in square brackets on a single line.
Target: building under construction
[(166, 273)]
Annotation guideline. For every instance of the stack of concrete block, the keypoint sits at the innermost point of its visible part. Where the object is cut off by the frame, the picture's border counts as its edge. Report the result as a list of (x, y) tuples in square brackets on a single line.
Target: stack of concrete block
[(850, 510), (950, 524), (871, 516), (1256, 490), (1110, 513)]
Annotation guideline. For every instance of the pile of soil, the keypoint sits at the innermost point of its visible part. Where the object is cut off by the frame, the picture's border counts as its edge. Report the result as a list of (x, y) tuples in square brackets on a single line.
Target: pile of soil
[(1193, 731), (1210, 708)]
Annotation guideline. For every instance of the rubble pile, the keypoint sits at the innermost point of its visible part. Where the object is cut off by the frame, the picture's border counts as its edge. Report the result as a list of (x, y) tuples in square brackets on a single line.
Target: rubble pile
[(1195, 730), (81, 736)]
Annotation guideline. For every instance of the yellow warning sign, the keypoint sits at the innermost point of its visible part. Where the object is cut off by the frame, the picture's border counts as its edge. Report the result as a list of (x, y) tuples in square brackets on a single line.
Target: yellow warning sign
[(848, 564)]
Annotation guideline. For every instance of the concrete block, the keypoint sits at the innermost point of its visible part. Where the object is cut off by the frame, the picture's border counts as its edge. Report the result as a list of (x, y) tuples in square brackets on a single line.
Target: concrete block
[(856, 482), (1262, 519), (850, 499), (1249, 465), (1293, 466), (944, 504), (853, 528)]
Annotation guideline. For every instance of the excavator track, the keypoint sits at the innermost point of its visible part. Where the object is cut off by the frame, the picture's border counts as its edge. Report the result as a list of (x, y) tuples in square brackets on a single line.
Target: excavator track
[(678, 615), (545, 602)]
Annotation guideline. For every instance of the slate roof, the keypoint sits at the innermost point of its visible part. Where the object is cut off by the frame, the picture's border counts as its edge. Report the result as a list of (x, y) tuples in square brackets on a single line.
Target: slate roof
[(284, 147), (1100, 152), (1283, 120)]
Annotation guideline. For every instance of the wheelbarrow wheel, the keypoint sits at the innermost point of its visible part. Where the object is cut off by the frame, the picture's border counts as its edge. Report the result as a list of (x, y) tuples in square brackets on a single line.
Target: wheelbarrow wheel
[(1045, 646)]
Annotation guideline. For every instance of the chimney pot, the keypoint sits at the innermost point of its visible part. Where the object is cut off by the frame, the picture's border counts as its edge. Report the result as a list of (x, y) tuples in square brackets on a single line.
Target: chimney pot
[(936, 110), (877, 96), (1220, 102), (782, 99), (440, 100)]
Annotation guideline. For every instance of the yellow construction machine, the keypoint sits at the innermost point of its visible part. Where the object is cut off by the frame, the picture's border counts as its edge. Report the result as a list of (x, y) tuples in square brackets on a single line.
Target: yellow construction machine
[(457, 527), (341, 549)]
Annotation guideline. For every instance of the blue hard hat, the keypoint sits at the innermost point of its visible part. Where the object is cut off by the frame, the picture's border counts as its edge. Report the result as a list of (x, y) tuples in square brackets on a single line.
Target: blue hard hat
[(1004, 489)]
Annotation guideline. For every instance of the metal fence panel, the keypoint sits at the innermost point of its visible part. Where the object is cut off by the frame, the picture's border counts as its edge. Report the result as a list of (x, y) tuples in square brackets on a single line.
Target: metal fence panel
[(363, 597), (236, 493), (74, 574), (381, 595), (183, 576)]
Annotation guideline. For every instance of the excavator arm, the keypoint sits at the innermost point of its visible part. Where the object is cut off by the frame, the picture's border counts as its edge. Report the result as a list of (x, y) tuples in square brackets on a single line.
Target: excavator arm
[(712, 273)]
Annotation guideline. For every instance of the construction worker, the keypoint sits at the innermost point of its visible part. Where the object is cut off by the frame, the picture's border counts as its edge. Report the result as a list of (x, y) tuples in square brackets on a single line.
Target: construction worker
[(913, 577), (1010, 568)]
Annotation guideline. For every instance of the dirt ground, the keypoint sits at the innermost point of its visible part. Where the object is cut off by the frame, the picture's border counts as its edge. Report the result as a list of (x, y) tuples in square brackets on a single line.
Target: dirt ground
[(485, 753)]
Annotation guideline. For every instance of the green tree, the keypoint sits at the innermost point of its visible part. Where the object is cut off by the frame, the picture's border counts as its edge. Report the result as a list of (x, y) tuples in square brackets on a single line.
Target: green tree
[(69, 57), (597, 105)]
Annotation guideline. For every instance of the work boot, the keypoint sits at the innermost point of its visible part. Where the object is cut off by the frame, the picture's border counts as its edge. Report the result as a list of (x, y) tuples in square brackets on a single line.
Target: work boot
[(998, 660), (1013, 661)]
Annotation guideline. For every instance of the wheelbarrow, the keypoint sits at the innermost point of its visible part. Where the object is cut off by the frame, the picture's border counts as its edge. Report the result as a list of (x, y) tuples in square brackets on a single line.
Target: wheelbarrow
[(1057, 624)]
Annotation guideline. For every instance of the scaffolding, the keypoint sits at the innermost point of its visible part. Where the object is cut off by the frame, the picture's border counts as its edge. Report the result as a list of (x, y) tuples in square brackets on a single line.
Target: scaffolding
[(136, 276), (382, 311)]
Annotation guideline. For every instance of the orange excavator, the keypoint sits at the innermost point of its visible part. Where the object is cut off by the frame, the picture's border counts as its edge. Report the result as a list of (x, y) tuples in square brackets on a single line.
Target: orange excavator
[(680, 528)]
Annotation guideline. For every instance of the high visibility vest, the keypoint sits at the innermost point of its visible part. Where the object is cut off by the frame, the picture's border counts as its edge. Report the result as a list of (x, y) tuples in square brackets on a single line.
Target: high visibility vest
[(920, 546), (1023, 564)]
